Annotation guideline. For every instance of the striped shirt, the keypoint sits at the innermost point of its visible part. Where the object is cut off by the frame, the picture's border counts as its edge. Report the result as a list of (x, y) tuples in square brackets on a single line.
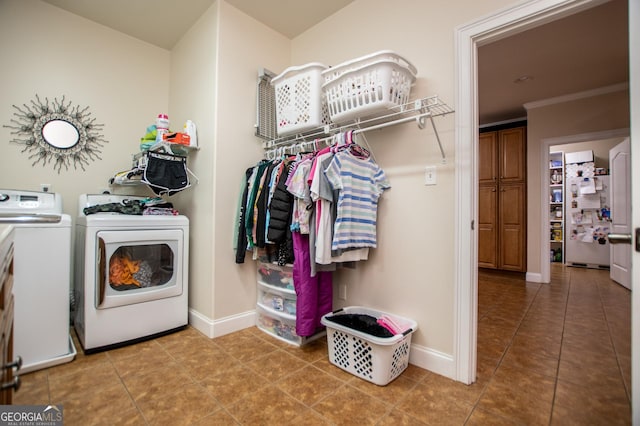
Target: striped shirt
[(360, 182)]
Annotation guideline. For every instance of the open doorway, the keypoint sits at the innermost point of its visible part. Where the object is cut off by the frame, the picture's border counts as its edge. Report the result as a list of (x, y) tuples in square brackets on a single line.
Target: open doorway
[(469, 39)]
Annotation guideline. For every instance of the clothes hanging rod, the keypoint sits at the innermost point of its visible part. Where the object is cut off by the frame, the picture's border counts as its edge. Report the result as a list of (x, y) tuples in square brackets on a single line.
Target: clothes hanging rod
[(419, 111)]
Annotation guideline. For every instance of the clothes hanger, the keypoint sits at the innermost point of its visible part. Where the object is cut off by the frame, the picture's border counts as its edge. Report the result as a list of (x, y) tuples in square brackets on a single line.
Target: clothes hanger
[(355, 149)]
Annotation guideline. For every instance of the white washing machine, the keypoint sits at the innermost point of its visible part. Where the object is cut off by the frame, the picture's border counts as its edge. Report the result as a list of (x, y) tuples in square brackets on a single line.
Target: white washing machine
[(42, 277), (131, 274)]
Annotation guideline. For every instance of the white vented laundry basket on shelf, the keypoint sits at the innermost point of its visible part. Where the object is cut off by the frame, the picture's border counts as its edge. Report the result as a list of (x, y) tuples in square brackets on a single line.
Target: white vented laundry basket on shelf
[(379, 360), (367, 85), (299, 101)]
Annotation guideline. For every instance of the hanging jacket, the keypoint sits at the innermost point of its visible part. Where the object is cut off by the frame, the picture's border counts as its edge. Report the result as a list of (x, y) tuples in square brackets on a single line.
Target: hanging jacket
[(250, 214), (241, 242), (261, 208), (281, 209)]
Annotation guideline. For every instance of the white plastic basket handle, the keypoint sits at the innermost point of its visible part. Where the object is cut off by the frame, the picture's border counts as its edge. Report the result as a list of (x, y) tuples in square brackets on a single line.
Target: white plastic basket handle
[(382, 54), (297, 69), (359, 70)]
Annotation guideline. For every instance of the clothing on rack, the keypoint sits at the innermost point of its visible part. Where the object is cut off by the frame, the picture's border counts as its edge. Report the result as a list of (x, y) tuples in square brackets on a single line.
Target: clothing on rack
[(260, 223), (240, 229), (316, 211), (314, 293), (360, 182)]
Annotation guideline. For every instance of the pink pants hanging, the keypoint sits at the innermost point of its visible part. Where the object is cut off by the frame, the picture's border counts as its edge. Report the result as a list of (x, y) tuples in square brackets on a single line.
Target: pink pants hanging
[(314, 294)]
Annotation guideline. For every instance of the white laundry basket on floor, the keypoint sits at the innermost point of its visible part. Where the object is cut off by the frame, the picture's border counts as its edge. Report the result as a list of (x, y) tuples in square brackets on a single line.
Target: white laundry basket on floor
[(375, 359)]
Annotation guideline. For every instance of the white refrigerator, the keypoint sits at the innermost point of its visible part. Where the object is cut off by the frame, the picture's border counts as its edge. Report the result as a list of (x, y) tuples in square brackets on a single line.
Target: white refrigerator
[(587, 221)]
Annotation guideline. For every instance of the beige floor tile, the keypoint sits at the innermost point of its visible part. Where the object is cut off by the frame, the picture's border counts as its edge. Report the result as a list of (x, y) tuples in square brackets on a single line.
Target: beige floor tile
[(246, 347), (97, 406), (309, 385), (442, 386), (520, 395), (34, 389), (266, 406), (588, 370), (348, 405), (81, 362), (392, 393), (310, 352), (481, 417), (233, 384), (166, 380), (218, 418), (309, 417), (275, 365), (415, 373), (539, 345), (581, 405), (399, 418), (431, 407), (83, 383), (148, 360), (571, 337), (137, 350), (189, 405), (539, 364)]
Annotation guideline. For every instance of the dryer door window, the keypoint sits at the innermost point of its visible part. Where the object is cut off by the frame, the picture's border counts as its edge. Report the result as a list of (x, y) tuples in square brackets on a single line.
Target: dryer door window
[(139, 267)]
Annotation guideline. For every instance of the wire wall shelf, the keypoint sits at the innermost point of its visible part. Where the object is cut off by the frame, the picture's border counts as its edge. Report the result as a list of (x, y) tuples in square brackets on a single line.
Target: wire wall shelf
[(419, 111)]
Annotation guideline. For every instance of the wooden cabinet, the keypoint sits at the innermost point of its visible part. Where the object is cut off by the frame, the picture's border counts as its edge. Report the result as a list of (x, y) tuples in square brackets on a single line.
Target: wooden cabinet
[(7, 380), (502, 200)]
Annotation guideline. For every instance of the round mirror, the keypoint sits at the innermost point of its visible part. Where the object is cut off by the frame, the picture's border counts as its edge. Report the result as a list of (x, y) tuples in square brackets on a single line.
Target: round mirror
[(60, 133), (57, 133)]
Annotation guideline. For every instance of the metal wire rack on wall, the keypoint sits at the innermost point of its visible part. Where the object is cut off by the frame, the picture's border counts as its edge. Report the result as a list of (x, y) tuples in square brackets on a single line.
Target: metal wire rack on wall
[(419, 111)]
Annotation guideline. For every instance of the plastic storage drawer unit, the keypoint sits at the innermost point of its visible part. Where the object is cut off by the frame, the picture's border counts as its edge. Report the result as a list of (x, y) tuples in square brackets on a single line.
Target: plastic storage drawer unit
[(281, 300), (274, 275)]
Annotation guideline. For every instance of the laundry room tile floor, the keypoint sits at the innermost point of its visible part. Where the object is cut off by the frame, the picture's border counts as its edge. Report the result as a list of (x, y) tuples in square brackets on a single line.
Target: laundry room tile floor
[(547, 354)]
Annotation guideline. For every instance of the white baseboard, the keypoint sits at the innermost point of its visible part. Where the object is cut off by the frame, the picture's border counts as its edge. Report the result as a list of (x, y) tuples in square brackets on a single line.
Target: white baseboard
[(420, 356), (216, 328), (534, 277), (432, 360)]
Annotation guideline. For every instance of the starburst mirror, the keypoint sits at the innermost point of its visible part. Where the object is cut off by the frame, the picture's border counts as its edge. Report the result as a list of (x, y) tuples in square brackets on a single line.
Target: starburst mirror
[(57, 133)]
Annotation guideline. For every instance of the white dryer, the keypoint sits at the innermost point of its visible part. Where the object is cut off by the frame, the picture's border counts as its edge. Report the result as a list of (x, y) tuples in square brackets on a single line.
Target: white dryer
[(131, 274), (42, 277)]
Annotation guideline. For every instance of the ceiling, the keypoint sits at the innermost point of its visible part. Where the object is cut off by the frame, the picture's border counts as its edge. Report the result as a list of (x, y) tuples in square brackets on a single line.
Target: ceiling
[(584, 51), (164, 22)]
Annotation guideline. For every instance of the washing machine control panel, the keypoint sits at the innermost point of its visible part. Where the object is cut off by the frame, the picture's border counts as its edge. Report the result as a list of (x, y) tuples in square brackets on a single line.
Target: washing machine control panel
[(13, 201)]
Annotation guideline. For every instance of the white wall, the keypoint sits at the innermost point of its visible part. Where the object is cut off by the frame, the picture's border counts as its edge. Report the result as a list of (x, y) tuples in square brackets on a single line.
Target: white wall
[(214, 70), (192, 97), (245, 46), (411, 273), (52, 53)]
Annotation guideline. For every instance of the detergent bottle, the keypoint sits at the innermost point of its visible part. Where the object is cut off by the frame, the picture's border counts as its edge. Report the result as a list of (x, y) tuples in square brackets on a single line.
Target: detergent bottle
[(162, 126), (190, 129)]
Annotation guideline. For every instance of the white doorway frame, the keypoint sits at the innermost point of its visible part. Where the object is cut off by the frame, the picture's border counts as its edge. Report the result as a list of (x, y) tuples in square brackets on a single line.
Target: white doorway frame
[(468, 38)]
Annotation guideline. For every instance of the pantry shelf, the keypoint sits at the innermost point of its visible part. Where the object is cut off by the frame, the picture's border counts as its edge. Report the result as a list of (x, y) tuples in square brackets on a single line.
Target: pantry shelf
[(419, 111)]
